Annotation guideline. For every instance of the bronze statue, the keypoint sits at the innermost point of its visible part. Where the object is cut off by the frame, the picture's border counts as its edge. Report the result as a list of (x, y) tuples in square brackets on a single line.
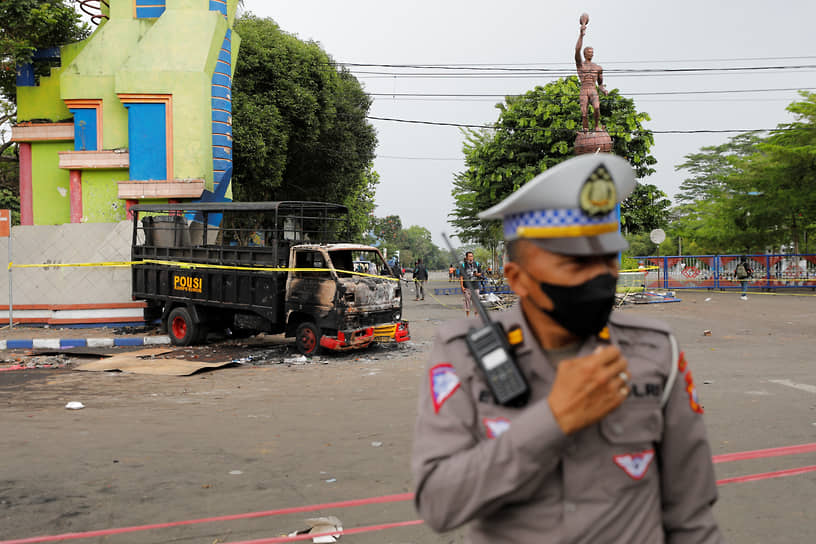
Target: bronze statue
[(590, 74)]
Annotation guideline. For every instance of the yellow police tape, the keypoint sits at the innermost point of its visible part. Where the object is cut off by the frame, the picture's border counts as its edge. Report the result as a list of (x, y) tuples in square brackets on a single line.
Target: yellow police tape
[(193, 266), (644, 269)]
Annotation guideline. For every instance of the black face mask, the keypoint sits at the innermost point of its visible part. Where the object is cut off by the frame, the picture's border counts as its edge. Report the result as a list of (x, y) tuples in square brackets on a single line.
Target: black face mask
[(582, 309)]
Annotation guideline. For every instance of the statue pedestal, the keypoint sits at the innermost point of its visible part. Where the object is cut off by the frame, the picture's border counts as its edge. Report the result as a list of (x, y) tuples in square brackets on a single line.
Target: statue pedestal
[(593, 141)]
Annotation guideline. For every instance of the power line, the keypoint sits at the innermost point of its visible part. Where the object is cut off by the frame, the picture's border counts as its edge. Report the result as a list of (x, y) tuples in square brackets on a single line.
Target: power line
[(420, 158), (538, 63), (655, 93), (475, 71), (493, 72), (644, 131)]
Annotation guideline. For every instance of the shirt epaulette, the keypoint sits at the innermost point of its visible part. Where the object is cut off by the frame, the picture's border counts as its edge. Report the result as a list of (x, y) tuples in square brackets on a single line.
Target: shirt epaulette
[(629, 321), (455, 329)]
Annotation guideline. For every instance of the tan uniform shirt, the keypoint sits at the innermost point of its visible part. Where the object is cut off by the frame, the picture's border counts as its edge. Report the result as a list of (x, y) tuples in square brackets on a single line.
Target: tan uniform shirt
[(643, 474)]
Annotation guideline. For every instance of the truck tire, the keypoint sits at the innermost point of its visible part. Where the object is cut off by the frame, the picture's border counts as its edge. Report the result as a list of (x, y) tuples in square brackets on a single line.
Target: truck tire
[(181, 328), (307, 338)]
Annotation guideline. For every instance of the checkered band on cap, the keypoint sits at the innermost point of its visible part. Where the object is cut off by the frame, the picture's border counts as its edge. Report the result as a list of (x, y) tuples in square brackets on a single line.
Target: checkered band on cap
[(557, 219)]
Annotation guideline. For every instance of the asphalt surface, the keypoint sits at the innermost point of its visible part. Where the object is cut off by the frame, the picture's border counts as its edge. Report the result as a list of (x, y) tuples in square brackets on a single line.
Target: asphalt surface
[(275, 432)]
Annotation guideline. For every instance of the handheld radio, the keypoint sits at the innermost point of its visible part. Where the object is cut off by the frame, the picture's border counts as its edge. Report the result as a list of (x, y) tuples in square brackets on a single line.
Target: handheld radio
[(494, 355)]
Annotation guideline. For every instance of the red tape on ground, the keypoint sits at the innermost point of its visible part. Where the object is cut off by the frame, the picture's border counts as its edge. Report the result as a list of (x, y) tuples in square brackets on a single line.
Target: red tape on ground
[(768, 475), (344, 532), (724, 458), (293, 510), (760, 454)]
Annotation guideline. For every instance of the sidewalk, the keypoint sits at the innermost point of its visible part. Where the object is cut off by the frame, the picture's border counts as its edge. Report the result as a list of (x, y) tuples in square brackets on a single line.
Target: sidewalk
[(22, 337)]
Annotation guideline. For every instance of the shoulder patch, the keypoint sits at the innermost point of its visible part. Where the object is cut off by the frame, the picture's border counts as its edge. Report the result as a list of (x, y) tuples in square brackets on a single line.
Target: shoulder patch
[(496, 426), (444, 383), (691, 389), (635, 464)]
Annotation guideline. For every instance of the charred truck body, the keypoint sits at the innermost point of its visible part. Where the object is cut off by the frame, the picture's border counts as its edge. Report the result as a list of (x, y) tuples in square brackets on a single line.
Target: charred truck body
[(273, 267)]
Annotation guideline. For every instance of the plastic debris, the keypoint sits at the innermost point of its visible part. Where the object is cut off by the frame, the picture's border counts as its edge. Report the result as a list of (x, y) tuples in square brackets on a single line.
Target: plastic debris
[(377, 444), (75, 405), (236, 472), (707, 332), (330, 527)]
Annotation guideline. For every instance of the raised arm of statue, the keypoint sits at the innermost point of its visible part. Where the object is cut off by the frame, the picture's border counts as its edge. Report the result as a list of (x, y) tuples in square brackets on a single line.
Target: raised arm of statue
[(579, 46)]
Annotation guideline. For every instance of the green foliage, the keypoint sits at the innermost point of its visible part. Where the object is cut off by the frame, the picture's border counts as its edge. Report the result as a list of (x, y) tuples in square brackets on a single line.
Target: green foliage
[(536, 131), (300, 129), (413, 243), (752, 194), (387, 231), (28, 25), (640, 245), (646, 209)]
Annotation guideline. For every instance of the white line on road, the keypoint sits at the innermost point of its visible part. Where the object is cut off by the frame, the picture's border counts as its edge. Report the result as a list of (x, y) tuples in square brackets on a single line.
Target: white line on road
[(800, 386)]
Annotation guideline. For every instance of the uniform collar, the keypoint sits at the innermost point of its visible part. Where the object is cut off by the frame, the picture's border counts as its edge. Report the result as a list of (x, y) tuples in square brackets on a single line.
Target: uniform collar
[(531, 356)]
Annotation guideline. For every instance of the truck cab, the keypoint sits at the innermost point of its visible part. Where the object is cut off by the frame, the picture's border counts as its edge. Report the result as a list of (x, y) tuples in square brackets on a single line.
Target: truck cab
[(334, 305)]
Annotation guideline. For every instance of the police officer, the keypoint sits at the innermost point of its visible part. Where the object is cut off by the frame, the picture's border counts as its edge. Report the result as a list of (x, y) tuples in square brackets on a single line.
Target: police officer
[(610, 446)]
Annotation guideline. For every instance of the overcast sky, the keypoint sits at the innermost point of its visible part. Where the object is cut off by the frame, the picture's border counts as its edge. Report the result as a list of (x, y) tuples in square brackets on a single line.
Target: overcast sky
[(417, 163)]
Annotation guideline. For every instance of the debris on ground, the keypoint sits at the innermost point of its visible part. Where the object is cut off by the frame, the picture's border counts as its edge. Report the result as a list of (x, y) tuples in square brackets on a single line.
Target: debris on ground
[(648, 297), (75, 405), (329, 527)]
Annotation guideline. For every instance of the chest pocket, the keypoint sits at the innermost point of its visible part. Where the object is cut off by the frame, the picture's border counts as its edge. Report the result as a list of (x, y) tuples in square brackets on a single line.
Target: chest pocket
[(630, 435)]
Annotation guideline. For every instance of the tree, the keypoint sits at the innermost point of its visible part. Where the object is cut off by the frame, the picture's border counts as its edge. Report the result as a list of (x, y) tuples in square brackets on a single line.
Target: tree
[(646, 209), (754, 193), (776, 188), (25, 27), (712, 166), (300, 129), (29, 25), (704, 218), (536, 131), (387, 230)]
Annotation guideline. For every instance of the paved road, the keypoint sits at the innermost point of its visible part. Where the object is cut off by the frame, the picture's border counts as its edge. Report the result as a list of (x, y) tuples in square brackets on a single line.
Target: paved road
[(269, 435)]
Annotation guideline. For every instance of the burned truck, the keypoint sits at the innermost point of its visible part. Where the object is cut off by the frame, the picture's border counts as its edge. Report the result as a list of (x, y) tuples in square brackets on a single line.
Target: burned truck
[(271, 267)]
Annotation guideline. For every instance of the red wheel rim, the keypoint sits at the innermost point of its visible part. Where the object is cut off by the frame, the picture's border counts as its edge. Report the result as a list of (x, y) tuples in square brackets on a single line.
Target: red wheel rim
[(179, 327), (308, 340)]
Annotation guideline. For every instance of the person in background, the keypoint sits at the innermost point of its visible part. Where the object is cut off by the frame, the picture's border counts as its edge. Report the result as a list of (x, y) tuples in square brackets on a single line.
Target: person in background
[(420, 278), (451, 271), (470, 276), (744, 273)]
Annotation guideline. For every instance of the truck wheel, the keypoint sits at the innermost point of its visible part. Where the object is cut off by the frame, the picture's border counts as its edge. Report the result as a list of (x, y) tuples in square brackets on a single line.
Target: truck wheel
[(307, 338), (181, 328)]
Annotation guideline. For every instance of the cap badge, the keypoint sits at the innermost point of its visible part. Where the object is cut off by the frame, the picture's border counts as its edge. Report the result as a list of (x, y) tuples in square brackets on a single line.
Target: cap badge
[(598, 195)]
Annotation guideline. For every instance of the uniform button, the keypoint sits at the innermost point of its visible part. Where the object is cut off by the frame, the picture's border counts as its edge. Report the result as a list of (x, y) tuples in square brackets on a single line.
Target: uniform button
[(617, 428), (570, 507)]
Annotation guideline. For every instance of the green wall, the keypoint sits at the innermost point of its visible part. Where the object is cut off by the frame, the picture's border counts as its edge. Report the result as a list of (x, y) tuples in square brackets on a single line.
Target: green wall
[(100, 198), (174, 54), (50, 184)]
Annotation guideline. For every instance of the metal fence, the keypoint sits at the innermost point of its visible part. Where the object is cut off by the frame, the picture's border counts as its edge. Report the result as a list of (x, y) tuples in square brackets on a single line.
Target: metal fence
[(770, 272)]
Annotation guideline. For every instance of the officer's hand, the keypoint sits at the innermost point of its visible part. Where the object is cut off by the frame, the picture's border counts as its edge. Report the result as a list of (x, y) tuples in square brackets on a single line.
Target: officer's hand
[(588, 388)]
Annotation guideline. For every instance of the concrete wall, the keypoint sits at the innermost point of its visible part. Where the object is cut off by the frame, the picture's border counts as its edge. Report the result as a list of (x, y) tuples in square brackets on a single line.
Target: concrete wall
[(69, 243)]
